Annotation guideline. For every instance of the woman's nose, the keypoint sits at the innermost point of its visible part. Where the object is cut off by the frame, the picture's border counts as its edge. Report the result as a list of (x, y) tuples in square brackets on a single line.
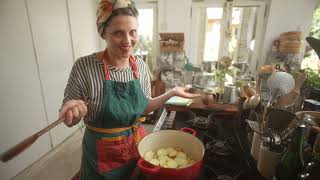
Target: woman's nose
[(127, 39)]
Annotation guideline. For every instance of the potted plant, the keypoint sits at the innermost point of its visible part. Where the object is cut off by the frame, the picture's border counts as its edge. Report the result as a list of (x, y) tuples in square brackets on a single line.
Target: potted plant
[(225, 67), (313, 83)]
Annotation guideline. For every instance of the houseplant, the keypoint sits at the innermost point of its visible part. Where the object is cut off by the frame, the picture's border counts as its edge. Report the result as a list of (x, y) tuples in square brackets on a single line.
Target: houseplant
[(313, 83)]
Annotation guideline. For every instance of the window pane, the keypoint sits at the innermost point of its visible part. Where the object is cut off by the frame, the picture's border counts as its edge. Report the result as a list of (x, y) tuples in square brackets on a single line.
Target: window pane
[(243, 28), (212, 38), (145, 31)]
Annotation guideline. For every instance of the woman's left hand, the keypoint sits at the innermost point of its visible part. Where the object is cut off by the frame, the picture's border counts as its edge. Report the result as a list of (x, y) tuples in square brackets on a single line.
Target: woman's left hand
[(182, 92)]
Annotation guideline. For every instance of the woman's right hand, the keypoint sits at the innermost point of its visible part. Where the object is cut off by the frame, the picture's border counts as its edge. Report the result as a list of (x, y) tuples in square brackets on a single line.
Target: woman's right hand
[(73, 111)]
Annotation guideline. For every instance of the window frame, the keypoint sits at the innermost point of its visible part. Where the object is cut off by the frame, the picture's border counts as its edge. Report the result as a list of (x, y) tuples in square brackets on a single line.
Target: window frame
[(154, 6), (195, 28)]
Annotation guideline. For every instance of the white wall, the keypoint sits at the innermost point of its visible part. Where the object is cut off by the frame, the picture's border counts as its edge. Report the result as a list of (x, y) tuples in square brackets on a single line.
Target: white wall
[(40, 39), (174, 16), (282, 15), (287, 15), (22, 109)]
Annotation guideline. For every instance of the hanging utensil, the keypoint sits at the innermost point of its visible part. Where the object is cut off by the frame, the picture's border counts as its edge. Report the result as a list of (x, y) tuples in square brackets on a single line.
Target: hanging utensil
[(23, 145), (278, 119), (290, 98), (254, 101), (254, 126), (280, 82), (272, 140), (248, 91)]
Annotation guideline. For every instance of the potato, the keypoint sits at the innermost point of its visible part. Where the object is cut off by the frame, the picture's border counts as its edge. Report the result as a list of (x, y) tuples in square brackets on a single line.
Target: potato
[(148, 155), (181, 155), (170, 149), (163, 157), (169, 158), (181, 161), (162, 162), (190, 162), (162, 152), (154, 162), (172, 153), (172, 164)]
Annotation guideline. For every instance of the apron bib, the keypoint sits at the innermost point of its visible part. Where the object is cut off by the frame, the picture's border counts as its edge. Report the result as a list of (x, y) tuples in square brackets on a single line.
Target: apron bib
[(110, 144)]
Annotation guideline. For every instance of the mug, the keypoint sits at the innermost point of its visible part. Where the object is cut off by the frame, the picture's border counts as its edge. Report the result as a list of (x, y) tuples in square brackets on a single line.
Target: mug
[(267, 162), (255, 146)]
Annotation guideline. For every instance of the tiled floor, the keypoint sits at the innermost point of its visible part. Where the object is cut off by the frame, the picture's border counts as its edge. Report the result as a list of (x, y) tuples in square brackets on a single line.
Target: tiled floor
[(60, 164)]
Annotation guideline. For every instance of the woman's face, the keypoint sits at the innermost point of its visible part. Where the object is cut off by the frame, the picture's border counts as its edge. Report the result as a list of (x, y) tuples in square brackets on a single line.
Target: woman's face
[(121, 36)]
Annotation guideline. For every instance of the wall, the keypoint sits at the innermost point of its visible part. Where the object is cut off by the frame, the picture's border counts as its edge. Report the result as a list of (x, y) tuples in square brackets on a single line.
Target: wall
[(174, 16), (287, 15), (282, 15), (40, 40)]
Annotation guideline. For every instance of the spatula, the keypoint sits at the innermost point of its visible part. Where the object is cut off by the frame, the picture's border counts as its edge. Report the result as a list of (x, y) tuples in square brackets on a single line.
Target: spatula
[(23, 145)]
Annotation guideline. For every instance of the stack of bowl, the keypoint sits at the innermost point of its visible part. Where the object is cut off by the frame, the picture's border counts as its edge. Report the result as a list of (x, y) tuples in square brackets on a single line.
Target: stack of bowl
[(291, 42)]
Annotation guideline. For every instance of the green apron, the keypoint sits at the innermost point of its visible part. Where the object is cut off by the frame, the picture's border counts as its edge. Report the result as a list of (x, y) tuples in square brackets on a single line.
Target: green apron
[(110, 144)]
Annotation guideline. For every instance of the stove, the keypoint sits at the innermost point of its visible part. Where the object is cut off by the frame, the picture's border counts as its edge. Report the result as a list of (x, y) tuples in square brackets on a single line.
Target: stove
[(227, 156)]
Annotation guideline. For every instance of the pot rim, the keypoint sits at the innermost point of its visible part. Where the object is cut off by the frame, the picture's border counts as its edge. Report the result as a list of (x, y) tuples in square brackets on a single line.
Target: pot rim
[(176, 131)]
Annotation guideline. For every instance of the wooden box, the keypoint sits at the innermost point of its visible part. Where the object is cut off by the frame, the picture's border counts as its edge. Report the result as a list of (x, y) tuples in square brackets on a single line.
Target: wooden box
[(171, 42)]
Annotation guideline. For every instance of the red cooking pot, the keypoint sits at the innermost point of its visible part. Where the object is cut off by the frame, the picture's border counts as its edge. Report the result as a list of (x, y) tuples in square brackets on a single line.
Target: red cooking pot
[(191, 145)]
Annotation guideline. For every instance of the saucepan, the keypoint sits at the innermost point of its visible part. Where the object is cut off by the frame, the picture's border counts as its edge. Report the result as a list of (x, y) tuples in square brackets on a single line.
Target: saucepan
[(191, 145)]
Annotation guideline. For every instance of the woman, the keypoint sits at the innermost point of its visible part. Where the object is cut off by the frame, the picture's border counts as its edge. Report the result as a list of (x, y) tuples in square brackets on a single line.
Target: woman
[(111, 90)]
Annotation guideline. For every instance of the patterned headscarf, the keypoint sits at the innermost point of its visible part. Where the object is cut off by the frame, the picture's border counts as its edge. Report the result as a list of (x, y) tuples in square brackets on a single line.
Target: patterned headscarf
[(107, 6)]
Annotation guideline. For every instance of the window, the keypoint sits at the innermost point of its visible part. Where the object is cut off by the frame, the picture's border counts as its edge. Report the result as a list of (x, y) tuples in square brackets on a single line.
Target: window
[(237, 34), (147, 30)]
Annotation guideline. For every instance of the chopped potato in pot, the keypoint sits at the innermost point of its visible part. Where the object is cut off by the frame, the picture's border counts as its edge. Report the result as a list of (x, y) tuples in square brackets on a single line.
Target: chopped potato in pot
[(169, 158)]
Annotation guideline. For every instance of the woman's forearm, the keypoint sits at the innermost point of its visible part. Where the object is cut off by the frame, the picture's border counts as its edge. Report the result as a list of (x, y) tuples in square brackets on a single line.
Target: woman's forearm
[(157, 102)]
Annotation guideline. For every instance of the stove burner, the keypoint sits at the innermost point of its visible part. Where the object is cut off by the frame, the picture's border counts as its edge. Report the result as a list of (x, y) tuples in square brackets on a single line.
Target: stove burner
[(224, 177), (219, 147), (200, 122)]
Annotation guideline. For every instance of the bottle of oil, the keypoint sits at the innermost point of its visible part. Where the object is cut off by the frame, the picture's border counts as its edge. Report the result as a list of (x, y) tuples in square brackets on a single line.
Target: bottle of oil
[(292, 162)]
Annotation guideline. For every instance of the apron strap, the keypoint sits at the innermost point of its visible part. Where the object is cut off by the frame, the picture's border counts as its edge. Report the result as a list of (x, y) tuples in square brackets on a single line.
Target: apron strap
[(134, 128), (132, 62)]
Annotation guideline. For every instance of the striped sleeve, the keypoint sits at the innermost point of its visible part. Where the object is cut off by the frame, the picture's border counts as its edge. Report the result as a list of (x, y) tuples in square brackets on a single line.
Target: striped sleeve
[(75, 88)]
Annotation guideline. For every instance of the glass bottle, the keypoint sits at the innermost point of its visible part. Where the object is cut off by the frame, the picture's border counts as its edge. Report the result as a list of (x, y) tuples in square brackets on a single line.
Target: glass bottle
[(312, 169), (292, 162)]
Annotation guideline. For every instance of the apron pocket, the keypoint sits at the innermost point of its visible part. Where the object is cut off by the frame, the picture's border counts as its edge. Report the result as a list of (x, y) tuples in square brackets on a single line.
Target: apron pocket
[(115, 152)]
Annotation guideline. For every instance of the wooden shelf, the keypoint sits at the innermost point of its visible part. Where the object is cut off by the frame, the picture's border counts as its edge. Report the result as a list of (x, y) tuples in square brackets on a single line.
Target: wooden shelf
[(224, 108)]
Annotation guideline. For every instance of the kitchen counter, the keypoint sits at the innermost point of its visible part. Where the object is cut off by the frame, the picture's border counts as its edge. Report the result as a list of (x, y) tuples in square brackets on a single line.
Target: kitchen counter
[(198, 104)]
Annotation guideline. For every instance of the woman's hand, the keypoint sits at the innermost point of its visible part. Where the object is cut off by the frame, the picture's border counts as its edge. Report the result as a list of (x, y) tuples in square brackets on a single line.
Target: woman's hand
[(73, 111), (156, 102), (182, 92)]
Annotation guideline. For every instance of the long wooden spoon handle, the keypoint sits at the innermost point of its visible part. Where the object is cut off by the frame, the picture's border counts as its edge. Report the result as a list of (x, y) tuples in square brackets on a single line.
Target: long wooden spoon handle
[(23, 145), (54, 124)]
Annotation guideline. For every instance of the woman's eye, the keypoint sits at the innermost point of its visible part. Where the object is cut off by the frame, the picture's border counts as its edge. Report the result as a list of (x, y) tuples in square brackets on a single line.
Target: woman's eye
[(133, 32), (117, 33)]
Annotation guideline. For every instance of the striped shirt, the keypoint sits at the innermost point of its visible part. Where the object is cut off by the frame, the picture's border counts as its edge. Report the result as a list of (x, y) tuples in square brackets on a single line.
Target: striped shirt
[(87, 78)]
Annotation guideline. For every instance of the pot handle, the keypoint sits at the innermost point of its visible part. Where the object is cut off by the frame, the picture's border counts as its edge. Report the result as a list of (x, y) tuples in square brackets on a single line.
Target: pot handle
[(189, 130), (142, 165)]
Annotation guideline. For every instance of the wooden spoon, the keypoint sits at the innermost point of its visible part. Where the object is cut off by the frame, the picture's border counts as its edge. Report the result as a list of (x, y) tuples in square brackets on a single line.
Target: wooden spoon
[(23, 145), (248, 91)]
